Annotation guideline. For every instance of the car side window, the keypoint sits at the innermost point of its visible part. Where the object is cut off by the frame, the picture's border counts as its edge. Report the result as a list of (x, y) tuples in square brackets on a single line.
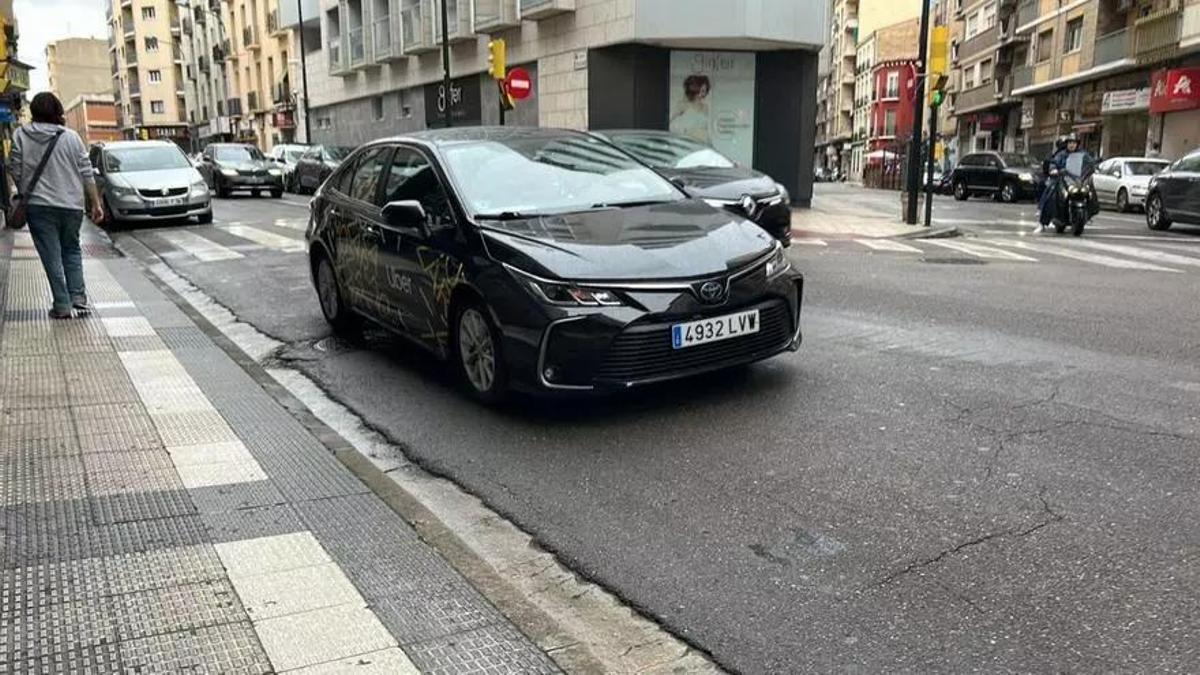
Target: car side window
[(365, 186), (994, 163), (1190, 164), (412, 177)]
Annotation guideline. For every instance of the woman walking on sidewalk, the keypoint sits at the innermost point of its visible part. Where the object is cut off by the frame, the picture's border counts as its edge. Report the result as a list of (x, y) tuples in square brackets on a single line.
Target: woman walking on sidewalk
[(54, 204)]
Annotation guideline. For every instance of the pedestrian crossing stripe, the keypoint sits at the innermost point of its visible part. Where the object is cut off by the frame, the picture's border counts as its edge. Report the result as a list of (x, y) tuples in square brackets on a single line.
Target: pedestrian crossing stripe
[(980, 251), (268, 239), (200, 248), (888, 245), (1143, 253), (1068, 252)]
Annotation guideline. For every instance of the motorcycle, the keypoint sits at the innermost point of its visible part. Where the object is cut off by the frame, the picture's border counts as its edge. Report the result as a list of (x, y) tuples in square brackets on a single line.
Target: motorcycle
[(1074, 196)]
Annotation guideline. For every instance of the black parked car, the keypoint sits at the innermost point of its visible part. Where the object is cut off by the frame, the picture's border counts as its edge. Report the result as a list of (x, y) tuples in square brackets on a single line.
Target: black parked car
[(706, 174), (545, 260), (1008, 176), (1174, 195), (229, 167), (315, 165)]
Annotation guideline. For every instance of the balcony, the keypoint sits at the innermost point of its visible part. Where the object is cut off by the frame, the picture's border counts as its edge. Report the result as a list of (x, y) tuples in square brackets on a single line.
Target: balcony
[(358, 52), (496, 15), (203, 64), (1027, 11), (186, 23), (176, 53), (1022, 77), (337, 65), (250, 38), (131, 59), (1156, 37), (135, 89), (416, 30), (1190, 32), (544, 9), (127, 4), (381, 40), (252, 101), (458, 16), (982, 42), (200, 16), (281, 94), (1112, 47), (135, 117), (234, 105), (273, 25)]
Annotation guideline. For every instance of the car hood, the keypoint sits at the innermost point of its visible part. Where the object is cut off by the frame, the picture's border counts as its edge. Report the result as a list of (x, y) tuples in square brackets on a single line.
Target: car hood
[(1137, 181), (721, 183), (157, 179), (252, 165), (1035, 170), (676, 240)]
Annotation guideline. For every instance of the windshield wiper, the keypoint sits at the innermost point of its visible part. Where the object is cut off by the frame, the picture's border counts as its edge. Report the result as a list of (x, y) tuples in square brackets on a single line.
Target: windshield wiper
[(628, 205), (506, 215)]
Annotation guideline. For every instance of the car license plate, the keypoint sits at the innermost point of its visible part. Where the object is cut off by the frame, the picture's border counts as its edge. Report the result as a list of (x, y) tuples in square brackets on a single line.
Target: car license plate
[(718, 328), (169, 201)]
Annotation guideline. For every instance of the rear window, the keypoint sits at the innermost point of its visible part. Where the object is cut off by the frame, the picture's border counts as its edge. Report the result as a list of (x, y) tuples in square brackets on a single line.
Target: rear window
[(237, 153), (1145, 168)]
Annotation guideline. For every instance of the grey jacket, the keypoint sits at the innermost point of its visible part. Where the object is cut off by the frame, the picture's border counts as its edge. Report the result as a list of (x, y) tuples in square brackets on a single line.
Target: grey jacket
[(68, 171)]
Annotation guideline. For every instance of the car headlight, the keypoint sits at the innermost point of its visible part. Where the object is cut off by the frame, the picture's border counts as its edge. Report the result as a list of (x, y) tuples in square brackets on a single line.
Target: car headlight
[(121, 190), (228, 172), (563, 294), (787, 198), (200, 186), (778, 263), (275, 172), (1026, 177)]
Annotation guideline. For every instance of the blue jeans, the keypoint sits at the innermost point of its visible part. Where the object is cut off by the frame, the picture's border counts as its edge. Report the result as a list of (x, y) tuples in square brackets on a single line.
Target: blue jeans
[(55, 234)]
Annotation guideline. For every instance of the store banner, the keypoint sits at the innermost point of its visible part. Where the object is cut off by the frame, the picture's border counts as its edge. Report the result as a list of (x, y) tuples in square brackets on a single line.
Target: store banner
[(1174, 90), (1125, 100), (713, 100)]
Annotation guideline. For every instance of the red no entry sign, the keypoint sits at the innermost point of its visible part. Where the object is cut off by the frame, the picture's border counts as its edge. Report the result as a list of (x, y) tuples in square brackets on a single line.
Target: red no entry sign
[(518, 84)]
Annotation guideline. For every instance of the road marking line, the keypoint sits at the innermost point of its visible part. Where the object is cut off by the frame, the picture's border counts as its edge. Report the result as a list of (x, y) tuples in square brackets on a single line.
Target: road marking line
[(198, 247), (986, 252), (887, 245), (809, 242), (1106, 261), (1144, 253), (268, 239)]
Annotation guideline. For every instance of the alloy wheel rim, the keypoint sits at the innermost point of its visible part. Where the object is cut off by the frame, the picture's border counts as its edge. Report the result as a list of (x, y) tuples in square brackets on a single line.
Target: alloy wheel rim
[(1122, 200), (1155, 207), (476, 350), (327, 289), (1008, 193)]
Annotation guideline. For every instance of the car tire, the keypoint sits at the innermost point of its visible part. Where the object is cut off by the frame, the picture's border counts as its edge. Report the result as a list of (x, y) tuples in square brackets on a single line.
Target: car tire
[(222, 189), (204, 218), (277, 194), (333, 305), (1122, 200), (476, 349), (1156, 214), (1009, 192), (960, 191)]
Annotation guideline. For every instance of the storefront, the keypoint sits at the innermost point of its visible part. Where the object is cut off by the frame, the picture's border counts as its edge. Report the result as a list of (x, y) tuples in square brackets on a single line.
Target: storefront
[(1125, 122), (1175, 107)]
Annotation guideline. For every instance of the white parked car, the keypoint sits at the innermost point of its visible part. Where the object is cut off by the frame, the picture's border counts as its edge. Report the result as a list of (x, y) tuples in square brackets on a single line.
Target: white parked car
[(1122, 182)]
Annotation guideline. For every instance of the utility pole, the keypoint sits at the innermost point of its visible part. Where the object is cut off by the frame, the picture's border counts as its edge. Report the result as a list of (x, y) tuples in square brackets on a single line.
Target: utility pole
[(446, 61), (303, 71), (914, 151), (933, 130)]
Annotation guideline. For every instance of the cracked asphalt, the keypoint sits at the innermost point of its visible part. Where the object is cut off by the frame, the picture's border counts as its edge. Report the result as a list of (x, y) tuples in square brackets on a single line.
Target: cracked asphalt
[(986, 467)]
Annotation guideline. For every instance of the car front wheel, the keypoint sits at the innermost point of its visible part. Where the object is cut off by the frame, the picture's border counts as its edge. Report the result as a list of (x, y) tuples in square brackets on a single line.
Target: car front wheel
[(1123, 200), (477, 353), (1009, 193), (960, 191), (333, 305), (1156, 215)]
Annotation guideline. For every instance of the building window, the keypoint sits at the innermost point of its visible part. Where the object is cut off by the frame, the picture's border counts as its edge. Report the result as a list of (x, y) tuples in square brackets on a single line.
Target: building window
[(985, 72), (972, 25), (987, 17), (1074, 41), (147, 13), (889, 123), (151, 44), (893, 85), (969, 77), (155, 76), (157, 107), (377, 108), (1045, 45)]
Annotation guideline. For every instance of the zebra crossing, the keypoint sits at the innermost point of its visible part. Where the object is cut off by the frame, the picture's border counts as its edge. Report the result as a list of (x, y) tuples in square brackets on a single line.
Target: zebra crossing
[(232, 241), (1158, 255)]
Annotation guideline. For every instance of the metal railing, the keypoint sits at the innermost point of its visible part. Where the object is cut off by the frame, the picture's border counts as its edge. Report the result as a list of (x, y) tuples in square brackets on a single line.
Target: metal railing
[(1027, 11), (381, 38), (1156, 37), (176, 52), (1111, 47), (357, 52), (1022, 77), (235, 106), (135, 88), (976, 98), (410, 25)]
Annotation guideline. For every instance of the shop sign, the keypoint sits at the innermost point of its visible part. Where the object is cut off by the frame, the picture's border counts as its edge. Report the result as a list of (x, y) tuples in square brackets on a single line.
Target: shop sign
[(1175, 89), (991, 122), (1125, 100), (283, 119), (462, 98), (1066, 116), (713, 100)]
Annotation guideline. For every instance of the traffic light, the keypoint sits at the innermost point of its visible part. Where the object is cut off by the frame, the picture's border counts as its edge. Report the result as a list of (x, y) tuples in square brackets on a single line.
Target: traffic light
[(937, 90), (939, 64), (497, 58)]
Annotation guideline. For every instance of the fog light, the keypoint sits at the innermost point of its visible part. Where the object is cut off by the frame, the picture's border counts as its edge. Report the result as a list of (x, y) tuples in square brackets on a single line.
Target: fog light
[(550, 373)]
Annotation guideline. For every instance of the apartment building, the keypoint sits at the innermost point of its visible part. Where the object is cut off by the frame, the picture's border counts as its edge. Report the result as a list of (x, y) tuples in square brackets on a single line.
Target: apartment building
[(1116, 72), (147, 59), (257, 75), (839, 85), (77, 66), (885, 62), (987, 47), (946, 144), (203, 31), (743, 80), (94, 116)]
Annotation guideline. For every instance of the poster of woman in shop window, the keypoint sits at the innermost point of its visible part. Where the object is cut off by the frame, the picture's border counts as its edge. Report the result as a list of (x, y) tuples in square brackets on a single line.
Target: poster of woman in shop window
[(714, 100)]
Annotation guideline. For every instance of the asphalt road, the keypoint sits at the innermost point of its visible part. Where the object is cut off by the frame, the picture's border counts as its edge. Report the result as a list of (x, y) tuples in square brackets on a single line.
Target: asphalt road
[(973, 463)]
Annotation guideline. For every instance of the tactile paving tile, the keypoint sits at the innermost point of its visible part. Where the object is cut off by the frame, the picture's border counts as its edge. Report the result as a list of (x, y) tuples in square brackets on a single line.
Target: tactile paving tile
[(132, 461), (230, 648), (176, 608), (41, 519), (55, 479), (14, 315), (24, 588), (164, 314), (84, 334), (254, 523), (29, 442), (217, 498), (32, 382), (163, 568), (92, 386), (101, 659), (115, 427), (498, 648), (321, 635), (139, 343), (185, 337), (430, 613), (28, 339), (52, 629), (192, 428)]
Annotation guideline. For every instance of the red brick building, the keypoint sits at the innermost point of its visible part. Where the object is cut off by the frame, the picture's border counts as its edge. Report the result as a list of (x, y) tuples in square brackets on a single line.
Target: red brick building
[(94, 118), (891, 104)]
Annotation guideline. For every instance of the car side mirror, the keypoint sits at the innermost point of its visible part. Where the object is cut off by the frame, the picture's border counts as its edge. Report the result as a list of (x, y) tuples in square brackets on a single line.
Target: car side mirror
[(406, 213), (679, 183)]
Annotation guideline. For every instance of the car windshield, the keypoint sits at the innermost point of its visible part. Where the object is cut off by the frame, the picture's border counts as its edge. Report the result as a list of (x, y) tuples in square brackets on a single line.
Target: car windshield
[(1145, 168), (237, 153), (154, 158), (551, 174), (662, 150), (1017, 159), (336, 153)]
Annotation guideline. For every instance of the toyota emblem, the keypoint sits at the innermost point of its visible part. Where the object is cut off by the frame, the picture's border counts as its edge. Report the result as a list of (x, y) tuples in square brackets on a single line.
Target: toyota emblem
[(748, 205), (711, 291)]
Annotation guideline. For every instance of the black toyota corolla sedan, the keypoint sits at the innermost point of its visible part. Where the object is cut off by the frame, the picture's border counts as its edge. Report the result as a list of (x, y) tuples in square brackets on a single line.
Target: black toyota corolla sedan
[(545, 260), (706, 174)]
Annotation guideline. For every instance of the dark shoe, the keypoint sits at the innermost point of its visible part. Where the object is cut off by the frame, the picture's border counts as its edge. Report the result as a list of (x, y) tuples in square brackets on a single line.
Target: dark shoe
[(82, 307), (57, 314)]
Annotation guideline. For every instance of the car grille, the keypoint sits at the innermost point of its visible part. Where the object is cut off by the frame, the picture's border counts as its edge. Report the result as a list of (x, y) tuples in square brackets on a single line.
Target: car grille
[(159, 194), (161, 211), (645, 352), (252, 172)]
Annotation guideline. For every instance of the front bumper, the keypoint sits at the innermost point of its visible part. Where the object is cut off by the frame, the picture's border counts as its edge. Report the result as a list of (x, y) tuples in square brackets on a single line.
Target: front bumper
[(242, 182), (136, 209), (613, 348)]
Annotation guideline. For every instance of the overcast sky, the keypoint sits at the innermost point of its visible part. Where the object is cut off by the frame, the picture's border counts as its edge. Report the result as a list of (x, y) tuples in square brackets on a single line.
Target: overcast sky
[(43, 21)]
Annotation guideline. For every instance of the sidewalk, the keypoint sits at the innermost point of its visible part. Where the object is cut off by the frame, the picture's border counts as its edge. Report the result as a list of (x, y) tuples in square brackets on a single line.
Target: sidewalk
[(162, 512), (853, 212)]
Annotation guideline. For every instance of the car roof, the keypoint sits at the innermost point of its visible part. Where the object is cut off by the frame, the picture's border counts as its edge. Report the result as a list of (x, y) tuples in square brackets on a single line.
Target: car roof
[(232, 145), (455, 135), (117, 145), (1139, 159)]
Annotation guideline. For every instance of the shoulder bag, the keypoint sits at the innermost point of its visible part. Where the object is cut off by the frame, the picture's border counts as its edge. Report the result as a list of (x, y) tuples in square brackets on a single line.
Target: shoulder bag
[(16, 212)]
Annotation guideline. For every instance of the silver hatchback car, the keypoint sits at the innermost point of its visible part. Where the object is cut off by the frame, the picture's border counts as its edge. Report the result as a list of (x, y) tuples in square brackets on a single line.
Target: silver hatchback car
[(146, 181)]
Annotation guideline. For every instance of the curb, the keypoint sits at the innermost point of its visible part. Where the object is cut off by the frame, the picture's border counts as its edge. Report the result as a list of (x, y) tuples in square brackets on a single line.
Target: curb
[(931, 233)]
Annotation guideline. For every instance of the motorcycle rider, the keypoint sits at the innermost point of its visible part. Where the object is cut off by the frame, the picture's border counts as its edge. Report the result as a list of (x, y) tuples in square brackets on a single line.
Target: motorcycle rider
[(1046, 201), (1059, 165)]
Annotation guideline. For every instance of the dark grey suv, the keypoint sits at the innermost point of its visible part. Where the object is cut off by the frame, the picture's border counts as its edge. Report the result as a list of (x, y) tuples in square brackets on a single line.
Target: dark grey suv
[(230, 167)]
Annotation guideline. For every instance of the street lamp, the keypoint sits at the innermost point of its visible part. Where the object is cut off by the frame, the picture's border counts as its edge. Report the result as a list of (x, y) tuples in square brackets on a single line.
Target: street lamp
[(303, 70)]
